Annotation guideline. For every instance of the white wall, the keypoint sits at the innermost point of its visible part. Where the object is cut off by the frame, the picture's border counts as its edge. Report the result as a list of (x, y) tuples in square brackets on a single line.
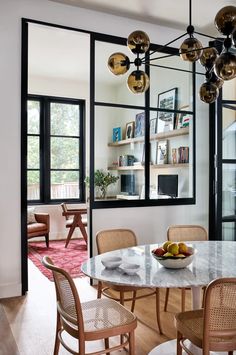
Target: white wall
[(147, 222)]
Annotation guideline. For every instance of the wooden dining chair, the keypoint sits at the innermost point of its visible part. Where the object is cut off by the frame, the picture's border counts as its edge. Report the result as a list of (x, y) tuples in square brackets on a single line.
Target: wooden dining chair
[(212, 328), (98, 319), (114, 239), (75, 218), (182, 233)]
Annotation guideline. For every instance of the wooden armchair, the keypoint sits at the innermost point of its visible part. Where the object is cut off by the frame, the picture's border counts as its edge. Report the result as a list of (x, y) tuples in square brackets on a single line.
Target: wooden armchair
[(40, 227), (75, 218), (98, 319)]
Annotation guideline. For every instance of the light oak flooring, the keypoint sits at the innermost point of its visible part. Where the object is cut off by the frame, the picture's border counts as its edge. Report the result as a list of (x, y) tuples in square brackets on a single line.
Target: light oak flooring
[(27, 323)]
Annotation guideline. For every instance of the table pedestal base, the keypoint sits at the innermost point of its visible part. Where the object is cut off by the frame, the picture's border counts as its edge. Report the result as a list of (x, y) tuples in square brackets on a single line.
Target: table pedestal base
[(169, 348)]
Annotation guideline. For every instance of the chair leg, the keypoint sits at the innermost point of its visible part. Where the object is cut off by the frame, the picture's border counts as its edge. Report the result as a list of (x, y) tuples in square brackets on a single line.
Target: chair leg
[(166, 299), (72, 228), (84, 233), (107, 345), (133, 301), (99, 293), (179, 347), (131, 343), (230, 352), (47, 240), (183, 293), (158, 310), (57, 341)]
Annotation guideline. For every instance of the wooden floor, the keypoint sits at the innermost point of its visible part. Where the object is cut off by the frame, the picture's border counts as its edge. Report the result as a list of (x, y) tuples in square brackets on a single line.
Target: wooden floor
[(27, 323)]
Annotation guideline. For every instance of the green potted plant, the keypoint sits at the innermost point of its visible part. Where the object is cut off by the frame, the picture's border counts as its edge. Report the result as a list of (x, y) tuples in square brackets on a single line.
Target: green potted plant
[(102, 180)]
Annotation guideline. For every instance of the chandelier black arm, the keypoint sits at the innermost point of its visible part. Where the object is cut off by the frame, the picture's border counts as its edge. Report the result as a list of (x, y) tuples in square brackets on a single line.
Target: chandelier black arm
[(165, 45), (171, 55), (183, 70), (208, 36)]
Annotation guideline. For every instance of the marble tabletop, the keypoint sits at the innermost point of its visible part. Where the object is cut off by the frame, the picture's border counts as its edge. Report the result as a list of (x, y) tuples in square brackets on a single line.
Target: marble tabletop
[(213, 259)]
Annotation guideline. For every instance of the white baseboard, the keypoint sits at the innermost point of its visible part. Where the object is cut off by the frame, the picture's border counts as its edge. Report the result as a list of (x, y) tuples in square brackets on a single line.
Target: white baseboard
[(10, 290)]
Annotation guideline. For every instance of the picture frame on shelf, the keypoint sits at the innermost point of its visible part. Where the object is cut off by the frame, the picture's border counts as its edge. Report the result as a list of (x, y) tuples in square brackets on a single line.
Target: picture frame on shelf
[(162, 153), (182, 119), (129, 130), (153, 126), (167, 100), (116, 134), (139, 124)]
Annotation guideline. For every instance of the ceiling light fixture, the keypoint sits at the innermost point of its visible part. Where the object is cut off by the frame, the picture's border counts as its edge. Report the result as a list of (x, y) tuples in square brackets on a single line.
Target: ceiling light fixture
[(219, 67)]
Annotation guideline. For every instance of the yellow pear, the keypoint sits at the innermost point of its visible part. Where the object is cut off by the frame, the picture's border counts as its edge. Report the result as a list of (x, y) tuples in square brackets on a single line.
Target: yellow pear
[(168, 254), (165, 245), (173, 248), (182, 248)]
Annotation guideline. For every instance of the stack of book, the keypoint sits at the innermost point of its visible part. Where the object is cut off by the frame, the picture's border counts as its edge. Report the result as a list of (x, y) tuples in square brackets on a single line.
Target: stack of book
[(183, 155)]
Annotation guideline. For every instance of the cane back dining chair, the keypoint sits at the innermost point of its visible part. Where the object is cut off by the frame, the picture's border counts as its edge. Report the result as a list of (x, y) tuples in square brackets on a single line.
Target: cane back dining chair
[(99, 319), (114, 239), (212, 328), (75, 218), (182, 233)]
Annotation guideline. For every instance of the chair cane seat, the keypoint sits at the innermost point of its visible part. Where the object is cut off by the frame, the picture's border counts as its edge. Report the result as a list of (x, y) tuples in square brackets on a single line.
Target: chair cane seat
[(190, 323)]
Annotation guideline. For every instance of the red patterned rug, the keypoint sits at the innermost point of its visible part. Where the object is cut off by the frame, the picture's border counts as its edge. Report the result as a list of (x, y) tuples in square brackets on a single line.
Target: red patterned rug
[(70, 258)]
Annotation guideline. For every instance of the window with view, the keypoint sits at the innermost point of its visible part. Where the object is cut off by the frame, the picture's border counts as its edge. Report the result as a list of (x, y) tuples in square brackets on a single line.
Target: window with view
[(55, 149)]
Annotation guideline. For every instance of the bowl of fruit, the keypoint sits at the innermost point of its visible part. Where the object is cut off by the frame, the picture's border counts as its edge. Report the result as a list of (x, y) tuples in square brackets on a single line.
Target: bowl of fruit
[(174, 255)]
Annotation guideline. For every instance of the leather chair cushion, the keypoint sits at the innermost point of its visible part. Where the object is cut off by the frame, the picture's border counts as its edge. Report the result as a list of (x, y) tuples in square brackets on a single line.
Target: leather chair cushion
[(36, 227)]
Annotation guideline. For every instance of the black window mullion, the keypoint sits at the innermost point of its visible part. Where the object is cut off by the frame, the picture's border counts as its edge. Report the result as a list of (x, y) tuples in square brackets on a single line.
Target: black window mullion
[(46, 151)]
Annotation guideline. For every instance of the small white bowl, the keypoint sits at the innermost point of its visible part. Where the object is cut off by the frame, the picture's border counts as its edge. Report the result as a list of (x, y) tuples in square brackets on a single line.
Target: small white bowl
[(130, 269), (111, 262), (176, 263)]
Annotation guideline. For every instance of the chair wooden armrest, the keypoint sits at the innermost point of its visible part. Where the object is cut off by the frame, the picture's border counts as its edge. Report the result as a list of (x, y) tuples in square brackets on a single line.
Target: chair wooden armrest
[(74, 212), (43, 218)]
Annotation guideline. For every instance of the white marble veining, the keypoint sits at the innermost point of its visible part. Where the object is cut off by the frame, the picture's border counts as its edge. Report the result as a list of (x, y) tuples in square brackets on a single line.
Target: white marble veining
[(213, 259)]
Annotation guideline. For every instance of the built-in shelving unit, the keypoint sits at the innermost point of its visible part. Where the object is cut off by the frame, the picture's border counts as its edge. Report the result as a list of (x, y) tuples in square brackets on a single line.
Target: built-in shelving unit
[(156, 166), (158, 136)]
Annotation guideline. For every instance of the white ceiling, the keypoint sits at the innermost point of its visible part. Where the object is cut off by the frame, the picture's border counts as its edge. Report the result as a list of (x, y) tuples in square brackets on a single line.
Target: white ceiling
[(171, 13), (53, 53)]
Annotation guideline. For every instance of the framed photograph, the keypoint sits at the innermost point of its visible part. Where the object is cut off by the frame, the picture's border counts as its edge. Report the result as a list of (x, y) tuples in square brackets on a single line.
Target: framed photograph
[(183, 119), (153, 126), (139, 124), (129, 131), (161, 152), (116, 136), (167, 100)]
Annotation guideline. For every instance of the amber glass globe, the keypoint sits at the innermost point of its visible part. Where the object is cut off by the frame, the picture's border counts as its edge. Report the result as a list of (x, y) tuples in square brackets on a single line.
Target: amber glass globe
[(138, 82), (208, 92), (225, 66), (138, 42), (225, 20), (208, 57), (118, 63), (191, 49), (216, 80)]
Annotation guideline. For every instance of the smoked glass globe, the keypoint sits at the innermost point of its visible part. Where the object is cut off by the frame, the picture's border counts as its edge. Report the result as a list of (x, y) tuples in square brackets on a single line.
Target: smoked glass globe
[(191, 49), (225, 66), (118, 63), (216, 80), (208, 92), (225, 20), (208, 57), (138, 42), (138, 82)]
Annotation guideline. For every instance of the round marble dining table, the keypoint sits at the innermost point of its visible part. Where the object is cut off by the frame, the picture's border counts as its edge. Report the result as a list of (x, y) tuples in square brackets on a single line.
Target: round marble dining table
[(213, 259)]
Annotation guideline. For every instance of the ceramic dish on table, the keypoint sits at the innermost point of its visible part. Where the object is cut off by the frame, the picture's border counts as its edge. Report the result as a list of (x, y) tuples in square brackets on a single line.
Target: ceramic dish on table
[(130, 269), (175, 262), (111, 262)]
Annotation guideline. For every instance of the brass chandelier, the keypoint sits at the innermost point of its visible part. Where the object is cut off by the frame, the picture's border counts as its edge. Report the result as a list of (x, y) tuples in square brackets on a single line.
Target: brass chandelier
[(219, 66)]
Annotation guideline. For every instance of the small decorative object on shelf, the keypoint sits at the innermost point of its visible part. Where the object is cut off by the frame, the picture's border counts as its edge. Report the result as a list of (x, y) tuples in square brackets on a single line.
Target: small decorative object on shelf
[(174, 155), (166, 119), (116, 137), (126, 160), (140, 124), (129, 131), (161, 152), (153, 126), (183, 155)]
